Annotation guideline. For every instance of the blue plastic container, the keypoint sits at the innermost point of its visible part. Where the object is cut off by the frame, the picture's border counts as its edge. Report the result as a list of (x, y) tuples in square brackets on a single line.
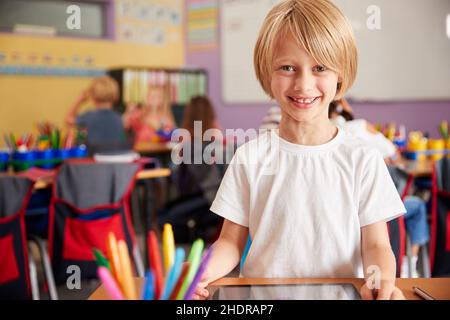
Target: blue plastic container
[(410, 155), (23, 160), (62, 154), (4, 157), (78, 152), (45, 158)]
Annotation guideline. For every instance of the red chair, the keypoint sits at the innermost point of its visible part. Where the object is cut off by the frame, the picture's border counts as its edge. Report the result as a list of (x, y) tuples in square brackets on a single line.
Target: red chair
[(396, 227), (440, 219), (89, 200), (18, 278)]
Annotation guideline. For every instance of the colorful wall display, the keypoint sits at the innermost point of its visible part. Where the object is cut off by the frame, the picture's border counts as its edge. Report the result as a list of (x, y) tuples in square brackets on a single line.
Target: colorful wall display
[(202, 24)]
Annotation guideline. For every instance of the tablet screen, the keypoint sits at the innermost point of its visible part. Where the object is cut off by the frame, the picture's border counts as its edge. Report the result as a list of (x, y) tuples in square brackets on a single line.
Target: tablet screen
[(307, 291)]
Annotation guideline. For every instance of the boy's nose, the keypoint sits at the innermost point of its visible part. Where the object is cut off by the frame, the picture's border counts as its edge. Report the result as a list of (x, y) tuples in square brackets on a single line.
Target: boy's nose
[(304, 82)]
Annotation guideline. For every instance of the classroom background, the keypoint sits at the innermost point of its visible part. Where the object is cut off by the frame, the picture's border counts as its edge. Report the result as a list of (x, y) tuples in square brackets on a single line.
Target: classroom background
[(51, 50)]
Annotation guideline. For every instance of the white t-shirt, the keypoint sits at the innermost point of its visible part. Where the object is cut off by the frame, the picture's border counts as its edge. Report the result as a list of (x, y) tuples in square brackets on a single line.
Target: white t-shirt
[(304, 205)]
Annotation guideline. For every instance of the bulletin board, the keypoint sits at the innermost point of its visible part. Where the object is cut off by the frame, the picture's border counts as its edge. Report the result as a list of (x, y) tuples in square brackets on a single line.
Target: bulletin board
[(406, 59), (153, 22)]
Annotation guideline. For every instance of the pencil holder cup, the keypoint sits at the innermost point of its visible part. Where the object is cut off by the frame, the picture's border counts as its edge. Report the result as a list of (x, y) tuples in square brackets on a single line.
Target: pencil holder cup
[(4, 157), (62, 154), (410, 155), (78, 152), (419, 147), (447, 147), (436, 148), (46, 158), (23, 160)]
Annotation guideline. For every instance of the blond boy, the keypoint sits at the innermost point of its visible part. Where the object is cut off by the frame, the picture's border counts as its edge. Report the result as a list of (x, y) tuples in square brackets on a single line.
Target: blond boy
[(322, 212)]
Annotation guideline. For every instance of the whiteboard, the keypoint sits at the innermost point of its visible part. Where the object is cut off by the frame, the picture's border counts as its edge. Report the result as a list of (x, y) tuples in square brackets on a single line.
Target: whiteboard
[(407, 59)]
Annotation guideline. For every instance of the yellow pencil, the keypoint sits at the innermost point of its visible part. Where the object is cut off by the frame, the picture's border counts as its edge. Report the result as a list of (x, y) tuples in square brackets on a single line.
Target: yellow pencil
[(168, 247), (127, 275)]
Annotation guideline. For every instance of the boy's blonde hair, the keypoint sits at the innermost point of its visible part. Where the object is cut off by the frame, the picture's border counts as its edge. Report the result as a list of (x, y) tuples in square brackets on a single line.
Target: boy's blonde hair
[(319, 27), (104, 89)]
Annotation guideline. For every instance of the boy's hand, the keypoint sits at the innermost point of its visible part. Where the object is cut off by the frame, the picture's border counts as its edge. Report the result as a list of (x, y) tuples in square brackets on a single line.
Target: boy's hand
[(201, 293), (387, 291), (84, 96)]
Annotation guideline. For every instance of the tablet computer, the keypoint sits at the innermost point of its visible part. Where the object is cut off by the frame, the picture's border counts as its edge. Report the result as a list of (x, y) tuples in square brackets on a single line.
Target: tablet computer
[(298, 291)]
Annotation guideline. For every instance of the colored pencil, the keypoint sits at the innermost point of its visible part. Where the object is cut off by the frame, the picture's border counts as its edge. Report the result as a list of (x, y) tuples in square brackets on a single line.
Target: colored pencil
[(199, 274), (110, 284), (127, 276), (155, 263), (176, 289)]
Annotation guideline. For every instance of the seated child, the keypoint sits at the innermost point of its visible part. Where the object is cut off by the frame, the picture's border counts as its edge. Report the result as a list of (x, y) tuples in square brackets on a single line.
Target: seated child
[(104, 126), (200, 109), (313, 199), (343, 117), (155, 114)]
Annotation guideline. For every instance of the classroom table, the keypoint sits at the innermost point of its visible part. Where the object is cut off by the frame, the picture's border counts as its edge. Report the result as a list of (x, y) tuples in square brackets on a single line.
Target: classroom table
[(44, 179), (153, 148), (439, 288), (417, 168), (47, 180)]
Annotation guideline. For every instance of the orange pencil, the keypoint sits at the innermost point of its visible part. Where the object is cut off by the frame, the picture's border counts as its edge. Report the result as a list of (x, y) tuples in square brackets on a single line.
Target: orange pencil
[(113, 257), (127, 275), (176, 289)]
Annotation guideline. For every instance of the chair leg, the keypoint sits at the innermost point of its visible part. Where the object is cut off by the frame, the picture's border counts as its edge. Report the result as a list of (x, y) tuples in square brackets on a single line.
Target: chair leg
[(47, 268), (33, 275), (138, 261), (425, 261), (409, 256)]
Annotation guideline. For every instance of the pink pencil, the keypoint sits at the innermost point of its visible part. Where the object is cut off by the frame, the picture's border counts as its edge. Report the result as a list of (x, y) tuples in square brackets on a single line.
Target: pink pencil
[(110, 284)]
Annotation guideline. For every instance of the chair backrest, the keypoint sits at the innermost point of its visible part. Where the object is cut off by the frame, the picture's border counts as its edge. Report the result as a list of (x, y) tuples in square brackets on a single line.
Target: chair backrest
[(15, 193), (89, 200), (396, 227), (197, 183), (440, 219), (401, 179)]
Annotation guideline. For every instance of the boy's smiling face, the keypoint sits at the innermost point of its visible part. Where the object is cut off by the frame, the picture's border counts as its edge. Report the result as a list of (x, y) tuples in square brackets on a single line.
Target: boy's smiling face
[(301, 86)]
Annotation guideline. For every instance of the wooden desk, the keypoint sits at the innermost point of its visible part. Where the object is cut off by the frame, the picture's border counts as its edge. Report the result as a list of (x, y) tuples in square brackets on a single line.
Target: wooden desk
[(152, 148), (439, 288), (47, 181), (417, 169)]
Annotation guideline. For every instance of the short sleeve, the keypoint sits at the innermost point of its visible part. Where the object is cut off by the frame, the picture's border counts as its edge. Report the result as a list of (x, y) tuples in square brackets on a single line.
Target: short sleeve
[(83, 119), (379, 199), (232, 200)]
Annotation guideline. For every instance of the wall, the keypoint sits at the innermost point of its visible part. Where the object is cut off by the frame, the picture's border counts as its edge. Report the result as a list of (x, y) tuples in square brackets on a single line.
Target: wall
[(26, 100), (421, 115)]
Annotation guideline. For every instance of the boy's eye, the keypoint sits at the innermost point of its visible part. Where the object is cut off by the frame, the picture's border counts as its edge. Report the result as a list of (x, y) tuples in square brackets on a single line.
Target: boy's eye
[(287, 68), (319, 69)]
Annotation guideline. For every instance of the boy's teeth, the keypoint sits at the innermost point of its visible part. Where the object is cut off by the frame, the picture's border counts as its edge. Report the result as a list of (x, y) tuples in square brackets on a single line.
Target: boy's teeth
[(304, 100)]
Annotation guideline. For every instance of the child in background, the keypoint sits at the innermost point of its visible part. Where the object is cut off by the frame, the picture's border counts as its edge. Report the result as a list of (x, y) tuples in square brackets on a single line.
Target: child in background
[(341, 115), (199, 175), (104, 126), (155, 114), (314, 200), (200, 109)]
